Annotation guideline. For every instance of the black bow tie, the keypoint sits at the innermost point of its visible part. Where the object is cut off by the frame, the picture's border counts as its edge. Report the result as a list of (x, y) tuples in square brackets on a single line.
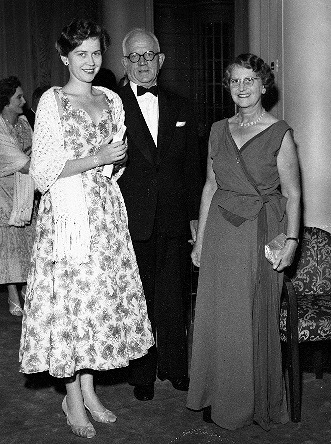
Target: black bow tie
[(141, 90)]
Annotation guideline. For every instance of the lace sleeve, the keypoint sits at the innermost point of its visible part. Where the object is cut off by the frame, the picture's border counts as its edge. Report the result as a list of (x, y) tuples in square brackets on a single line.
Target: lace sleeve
[(48, 155)]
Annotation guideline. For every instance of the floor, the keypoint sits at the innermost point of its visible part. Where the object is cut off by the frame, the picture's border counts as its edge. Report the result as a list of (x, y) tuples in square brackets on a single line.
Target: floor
[(30, 409)]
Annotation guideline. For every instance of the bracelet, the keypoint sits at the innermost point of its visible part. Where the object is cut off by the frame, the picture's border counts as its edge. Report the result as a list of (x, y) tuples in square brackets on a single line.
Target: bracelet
[(96, 161), (293, 238)]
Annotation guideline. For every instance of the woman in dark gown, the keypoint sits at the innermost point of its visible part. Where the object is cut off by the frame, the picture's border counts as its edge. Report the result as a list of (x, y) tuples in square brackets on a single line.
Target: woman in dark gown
[(236, 372)]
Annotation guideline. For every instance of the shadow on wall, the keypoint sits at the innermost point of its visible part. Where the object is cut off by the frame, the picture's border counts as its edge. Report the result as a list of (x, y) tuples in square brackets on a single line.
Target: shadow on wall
[(270, 98)]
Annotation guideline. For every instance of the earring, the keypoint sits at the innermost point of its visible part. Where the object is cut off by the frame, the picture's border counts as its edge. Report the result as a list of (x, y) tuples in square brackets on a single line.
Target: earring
[(66, 63), (263, 90)]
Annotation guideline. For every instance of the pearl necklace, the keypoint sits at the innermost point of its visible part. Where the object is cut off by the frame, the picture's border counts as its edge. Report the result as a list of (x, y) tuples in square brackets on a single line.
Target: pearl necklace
[(254, 122)]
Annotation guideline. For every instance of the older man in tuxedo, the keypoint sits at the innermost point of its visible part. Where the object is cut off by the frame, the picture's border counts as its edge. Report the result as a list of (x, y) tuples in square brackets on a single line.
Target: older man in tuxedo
[(161, 186)]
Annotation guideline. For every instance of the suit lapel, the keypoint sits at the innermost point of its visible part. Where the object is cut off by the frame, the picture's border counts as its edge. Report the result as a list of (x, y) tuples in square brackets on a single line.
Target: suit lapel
[(167, 124), (136, 125)]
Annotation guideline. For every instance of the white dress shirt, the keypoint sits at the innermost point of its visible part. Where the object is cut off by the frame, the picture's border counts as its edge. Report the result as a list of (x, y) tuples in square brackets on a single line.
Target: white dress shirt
[(149, 105)]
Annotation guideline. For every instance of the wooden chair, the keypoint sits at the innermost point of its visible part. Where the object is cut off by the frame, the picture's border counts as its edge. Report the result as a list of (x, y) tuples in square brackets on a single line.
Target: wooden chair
[(306, 309)]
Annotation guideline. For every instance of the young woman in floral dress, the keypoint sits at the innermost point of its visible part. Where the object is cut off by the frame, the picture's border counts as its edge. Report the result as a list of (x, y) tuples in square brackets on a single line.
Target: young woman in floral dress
[(85, 308)]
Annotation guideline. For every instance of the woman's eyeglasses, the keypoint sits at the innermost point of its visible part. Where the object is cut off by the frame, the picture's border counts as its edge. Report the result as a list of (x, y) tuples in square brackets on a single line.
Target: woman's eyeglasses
[(247, 81)]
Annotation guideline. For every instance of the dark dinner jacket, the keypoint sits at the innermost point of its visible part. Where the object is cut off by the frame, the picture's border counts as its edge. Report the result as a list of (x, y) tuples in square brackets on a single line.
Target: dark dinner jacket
[(162, 182)]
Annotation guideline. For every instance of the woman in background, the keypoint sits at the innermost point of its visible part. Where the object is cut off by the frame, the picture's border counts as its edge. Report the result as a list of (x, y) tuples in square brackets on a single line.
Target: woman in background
[(85, 307), (236, 372), (16, 191)]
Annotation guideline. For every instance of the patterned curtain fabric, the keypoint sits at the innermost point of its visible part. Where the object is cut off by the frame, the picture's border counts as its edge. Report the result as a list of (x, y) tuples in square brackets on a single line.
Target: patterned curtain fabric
[(28, 31)]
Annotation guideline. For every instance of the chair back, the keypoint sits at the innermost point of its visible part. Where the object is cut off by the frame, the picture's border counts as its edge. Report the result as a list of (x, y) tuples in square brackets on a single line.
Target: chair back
[(312, 275)]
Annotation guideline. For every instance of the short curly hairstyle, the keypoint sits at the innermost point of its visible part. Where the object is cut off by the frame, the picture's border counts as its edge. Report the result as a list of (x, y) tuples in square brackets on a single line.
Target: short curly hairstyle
[(8, 88), (250, 61), (74, 34)]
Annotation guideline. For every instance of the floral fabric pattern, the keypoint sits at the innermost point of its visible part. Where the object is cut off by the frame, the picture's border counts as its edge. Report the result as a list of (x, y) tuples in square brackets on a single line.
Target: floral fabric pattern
[(312, 283), (93, 315)]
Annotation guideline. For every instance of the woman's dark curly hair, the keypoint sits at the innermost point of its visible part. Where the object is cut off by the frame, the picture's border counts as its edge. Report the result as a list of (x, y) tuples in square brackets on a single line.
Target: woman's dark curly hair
[(8, 88), (76, 32), (250, 61)]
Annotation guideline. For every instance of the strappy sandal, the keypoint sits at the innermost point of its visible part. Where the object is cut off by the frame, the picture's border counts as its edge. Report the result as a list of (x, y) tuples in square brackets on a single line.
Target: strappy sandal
[(14, 309)]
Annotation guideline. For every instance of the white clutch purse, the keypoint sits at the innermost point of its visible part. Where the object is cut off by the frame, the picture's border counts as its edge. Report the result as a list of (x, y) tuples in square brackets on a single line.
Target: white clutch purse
[(273, 247)]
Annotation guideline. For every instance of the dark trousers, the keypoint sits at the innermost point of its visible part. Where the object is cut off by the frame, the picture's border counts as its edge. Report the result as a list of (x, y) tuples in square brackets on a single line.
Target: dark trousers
[(162, 262)]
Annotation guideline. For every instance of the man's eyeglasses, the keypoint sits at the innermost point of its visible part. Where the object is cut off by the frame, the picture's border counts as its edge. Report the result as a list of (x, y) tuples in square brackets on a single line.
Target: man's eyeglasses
[(247, 81), (134, 57)]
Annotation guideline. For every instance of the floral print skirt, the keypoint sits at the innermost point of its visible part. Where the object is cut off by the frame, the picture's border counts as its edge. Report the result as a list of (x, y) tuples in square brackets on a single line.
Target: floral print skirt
[(87, 316)]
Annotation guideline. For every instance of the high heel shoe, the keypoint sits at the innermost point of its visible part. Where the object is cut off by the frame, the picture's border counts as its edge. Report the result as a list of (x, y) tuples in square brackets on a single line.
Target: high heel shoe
[(85, 431), (15, 309), (106, 416)]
